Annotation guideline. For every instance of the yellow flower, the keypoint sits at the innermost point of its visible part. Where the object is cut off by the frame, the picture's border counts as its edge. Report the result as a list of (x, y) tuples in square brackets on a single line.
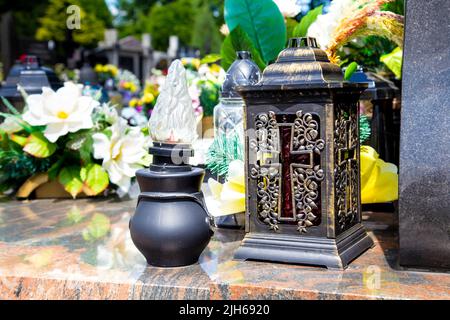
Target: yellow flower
[(215, 68), (196, 63), (133, 102), (113, 69), (151, 88), (228, 198), (148, 97), (379, 179), (98, 68), (183, 61)]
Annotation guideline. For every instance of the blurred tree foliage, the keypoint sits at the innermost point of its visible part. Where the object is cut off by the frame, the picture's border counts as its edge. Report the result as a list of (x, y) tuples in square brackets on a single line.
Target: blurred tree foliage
[(175, 18), (94, 17), (133, 15), (206, 35), (187, 19), (27, 14)]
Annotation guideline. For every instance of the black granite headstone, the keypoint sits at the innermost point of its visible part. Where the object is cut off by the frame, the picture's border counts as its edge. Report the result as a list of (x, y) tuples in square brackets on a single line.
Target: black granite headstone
[(424, 199)]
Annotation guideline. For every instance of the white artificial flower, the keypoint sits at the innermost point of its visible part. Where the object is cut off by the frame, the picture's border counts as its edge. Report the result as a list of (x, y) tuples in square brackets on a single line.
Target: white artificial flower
[(63, 111), (111, 114), (325, 25), (288, 8), (121, 153), (108, 111)]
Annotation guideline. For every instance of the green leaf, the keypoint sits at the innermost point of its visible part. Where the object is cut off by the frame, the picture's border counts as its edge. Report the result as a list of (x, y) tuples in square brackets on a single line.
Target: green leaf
[(95, 179), (302, 27), (210, 58), (238, 40), (38, 146), (54, 169), (393, 61), (262, 21), (70, 178), (20, 140), (81, 143), (350, 70), (10, 106), (97, 228), (290, 26)]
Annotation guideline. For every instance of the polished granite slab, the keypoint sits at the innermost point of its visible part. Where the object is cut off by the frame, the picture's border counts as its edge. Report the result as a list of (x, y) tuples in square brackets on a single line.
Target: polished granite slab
[(81, 249)]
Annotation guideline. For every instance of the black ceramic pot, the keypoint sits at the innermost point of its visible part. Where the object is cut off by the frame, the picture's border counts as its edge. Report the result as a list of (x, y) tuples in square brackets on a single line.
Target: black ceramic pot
[(171, 226)]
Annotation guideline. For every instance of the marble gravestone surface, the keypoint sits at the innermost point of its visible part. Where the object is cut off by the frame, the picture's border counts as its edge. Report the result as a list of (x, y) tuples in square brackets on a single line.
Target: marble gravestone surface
[(424, 193)]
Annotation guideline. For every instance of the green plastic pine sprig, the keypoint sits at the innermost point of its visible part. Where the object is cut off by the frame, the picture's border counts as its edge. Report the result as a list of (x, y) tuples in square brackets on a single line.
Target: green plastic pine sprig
[(223, 150)]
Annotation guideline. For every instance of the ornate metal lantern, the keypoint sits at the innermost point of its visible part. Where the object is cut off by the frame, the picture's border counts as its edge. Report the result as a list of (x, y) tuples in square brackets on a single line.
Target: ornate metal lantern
[(302, 162)]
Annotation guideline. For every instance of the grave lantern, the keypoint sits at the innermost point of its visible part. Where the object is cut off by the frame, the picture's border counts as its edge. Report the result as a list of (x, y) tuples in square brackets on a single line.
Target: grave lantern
[(31, 76), (229, 116), (302, 162), (171, 225), (380, 96)]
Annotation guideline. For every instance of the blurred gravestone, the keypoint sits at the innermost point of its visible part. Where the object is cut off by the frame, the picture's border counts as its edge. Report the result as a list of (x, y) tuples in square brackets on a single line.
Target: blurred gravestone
[(424, 203)]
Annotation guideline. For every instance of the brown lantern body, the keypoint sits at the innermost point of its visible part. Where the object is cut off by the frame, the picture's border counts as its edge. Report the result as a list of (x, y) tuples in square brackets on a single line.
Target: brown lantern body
[(302, 162)]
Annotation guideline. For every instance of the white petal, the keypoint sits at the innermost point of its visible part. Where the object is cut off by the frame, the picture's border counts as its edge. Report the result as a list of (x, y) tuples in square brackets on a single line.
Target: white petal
[(116, 149), (55, 130), (85, 105), (101, 146), (133, 157), (34, 114), (33, 120), (132, 151), (128, 169), (114, 172), (67, 97), (54, 103), (124, 183), (35, 101), (47, 91), (70, 89), (85, 123)]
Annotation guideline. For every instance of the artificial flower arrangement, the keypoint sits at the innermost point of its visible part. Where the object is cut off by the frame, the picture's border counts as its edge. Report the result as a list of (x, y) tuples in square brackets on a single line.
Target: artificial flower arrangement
[(68, 138), (147, 99), (128, 85), (204, 81), (350, 20), (127, 81), (105, 72)]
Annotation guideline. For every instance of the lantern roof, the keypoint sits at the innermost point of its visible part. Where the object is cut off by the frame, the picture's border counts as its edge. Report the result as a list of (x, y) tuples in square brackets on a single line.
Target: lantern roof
[(243, 71), (302, 65), (379, 88)]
